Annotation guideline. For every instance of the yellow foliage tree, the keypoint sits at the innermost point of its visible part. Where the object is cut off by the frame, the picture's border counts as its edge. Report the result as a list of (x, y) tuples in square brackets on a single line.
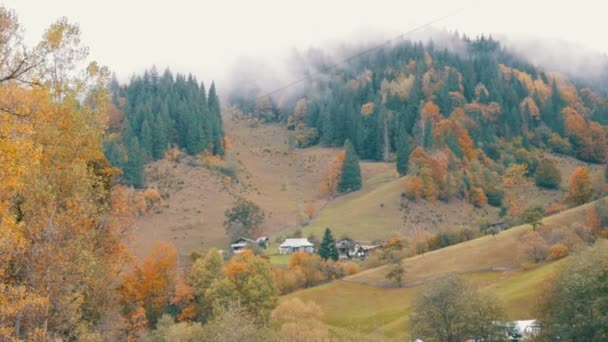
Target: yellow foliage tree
[(61, 247)]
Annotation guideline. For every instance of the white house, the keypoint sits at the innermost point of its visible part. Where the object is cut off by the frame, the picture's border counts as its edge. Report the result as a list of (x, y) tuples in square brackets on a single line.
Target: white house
[(243, 243), (290, 246), (240, 245)]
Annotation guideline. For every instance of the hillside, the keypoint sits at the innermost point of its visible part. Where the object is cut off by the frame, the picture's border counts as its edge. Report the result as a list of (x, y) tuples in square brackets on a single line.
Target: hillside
[(378, 211), (364, 304), (284, 182), (280, 180)]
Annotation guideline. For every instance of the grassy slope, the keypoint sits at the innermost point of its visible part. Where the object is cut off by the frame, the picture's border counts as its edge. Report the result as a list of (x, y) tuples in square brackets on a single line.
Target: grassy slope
[(363, 304), (374, 212), (368, 309), (498, 252)]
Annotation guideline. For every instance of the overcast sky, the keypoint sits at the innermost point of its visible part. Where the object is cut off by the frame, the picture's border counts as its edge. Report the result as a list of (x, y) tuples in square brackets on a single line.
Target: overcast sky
[(205, 37)]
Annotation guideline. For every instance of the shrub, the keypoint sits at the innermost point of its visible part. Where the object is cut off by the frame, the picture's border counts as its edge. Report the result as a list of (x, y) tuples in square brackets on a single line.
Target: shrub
[(558, 251), (547, 174), (534, 247)]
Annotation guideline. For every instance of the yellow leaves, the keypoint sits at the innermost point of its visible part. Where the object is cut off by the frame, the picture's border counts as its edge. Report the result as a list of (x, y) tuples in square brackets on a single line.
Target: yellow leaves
[(400, 86), (528, 107), (54, 35), (515, 175)]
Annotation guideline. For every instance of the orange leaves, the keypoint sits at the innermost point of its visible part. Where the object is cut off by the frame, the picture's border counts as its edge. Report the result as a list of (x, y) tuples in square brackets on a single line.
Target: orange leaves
[(331, 176), (579, 190), (478, 197), (150, 285), (588, 138), (431, 110), (367, 109)]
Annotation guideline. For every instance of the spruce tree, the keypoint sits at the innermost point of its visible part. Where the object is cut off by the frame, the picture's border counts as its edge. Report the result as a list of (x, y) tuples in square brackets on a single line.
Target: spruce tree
[(428, 134), (146, 141), (403, 155), (328, 249), (134, 167), (350, 179)]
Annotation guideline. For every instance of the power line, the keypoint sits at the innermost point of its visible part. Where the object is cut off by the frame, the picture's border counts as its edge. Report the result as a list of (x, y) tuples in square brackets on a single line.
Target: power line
[(364, 52)]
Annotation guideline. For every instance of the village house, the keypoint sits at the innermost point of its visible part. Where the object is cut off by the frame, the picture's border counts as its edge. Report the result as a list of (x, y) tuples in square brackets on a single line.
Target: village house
[(243, 243), (348, 248), (293, 245), (363, 250)]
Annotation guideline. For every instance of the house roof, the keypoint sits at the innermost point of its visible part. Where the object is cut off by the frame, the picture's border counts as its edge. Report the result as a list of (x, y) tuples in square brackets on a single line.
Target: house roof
[(243, 240), (301, 242)]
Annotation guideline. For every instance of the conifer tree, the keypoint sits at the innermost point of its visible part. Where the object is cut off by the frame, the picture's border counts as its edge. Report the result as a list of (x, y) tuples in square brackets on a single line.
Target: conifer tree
[(428, 134), (350, 179), (403, 155), (133, 168), (328, 249), (146, 143)]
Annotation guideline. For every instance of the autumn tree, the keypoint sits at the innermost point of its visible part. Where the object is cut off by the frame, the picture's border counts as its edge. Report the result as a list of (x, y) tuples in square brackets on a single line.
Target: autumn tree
[(252, 279), (203, 273), (331, 176), (151, 285), (579, 191), (350, 177), (61, 225), (244, 219), (451, 310), (308, 267), (547, 174), (328, 249), (574, 307)]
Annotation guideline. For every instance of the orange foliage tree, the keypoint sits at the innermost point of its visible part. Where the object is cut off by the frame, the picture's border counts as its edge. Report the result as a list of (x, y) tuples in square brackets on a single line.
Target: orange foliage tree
[(331, 176), (150, 286), (579, 190), (61, 249)]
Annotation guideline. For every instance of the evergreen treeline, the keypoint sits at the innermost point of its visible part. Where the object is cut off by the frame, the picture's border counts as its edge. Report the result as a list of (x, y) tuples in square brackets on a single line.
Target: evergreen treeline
[(159, 112), (377, 100)]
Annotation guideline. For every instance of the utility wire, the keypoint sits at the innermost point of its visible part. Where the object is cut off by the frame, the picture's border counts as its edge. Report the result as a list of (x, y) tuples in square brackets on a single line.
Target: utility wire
[(364, 52)]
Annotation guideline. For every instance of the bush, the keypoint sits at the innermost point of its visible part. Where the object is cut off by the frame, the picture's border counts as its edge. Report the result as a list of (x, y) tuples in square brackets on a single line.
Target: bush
[(494, 196), (547, 174), (534, 247), (558, 251)]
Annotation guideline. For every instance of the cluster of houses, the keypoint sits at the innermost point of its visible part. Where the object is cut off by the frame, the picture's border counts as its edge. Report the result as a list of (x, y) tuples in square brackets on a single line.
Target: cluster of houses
[(347, 248)]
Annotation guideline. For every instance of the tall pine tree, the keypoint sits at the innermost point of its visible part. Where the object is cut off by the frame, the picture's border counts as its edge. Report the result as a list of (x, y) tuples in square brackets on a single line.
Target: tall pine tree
[(328, 249), (350, 179), (403, 155)]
